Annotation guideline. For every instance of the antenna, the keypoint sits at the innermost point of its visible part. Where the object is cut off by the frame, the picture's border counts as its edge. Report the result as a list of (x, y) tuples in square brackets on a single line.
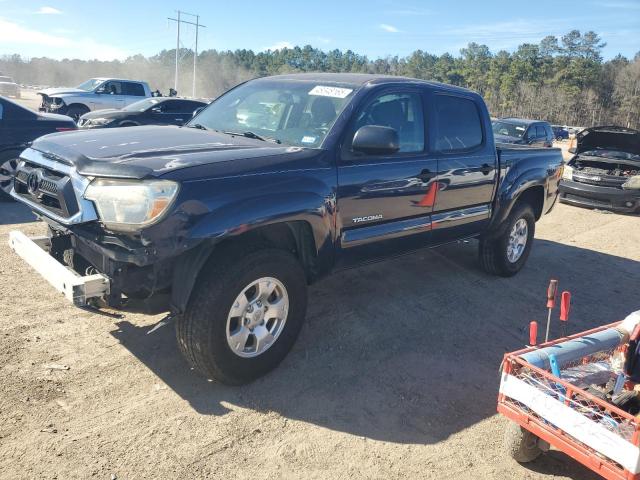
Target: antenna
[(195, 54)]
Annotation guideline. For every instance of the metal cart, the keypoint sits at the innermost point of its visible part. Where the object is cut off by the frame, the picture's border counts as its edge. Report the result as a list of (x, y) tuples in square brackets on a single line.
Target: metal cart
[(550, 412)]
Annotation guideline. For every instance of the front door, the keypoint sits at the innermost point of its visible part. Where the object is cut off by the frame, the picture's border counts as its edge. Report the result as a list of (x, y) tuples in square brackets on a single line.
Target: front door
[(111, 96), (385, 201)]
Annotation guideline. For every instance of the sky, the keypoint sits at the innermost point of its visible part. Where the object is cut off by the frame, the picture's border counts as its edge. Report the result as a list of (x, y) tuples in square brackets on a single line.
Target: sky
[(376, 28)]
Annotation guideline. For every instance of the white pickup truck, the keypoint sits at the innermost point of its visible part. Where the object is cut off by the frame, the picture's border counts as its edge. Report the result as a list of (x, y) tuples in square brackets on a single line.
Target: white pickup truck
[(94, 94)]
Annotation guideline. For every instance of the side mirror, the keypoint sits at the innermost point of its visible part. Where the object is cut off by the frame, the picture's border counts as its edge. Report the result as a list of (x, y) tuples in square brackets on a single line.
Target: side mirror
[(156, 109), (376, 140), (197, 111), (100, 90), (572, 150)]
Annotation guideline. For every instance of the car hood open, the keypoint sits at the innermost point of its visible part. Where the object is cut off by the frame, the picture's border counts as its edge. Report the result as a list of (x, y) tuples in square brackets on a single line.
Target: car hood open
[(609, 138), (153, 151)]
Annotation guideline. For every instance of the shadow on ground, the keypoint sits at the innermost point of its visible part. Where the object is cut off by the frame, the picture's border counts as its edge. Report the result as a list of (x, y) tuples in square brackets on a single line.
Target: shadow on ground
[(408, 350), (14, 213)]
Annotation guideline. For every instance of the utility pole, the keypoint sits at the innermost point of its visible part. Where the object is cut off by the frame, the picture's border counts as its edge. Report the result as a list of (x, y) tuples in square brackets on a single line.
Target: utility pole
[(195, 55)]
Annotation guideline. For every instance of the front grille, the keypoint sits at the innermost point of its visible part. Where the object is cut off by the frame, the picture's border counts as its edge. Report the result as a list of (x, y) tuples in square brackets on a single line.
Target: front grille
[(50, 189), (599, 180)]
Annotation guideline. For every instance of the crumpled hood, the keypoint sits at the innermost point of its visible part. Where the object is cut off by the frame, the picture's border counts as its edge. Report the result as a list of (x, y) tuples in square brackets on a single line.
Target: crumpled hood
[(505, 139), (609, 138), (58, 91), (153, 151)]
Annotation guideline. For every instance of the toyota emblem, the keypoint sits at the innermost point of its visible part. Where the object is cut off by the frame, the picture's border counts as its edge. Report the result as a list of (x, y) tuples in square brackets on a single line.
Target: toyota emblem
[(33, 182)]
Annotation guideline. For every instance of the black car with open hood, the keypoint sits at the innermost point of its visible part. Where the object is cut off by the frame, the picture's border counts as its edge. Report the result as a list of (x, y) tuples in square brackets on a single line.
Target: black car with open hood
[(605, 170)]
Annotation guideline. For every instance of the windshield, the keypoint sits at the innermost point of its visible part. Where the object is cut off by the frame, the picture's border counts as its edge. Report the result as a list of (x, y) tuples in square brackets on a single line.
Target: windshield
[(294, 113), (6, 79), (508, 129), (89, 84), (142, 105)]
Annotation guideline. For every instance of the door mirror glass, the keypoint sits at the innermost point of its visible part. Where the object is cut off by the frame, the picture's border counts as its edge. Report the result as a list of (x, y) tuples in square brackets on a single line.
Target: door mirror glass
[(376, 140)]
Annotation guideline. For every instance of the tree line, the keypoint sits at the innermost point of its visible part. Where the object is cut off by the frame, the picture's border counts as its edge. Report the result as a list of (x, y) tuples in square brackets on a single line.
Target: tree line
[(561, 79)]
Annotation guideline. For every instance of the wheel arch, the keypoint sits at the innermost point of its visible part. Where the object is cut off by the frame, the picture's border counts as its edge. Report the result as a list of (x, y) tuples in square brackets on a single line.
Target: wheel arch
[(529, 187), (294, 236)]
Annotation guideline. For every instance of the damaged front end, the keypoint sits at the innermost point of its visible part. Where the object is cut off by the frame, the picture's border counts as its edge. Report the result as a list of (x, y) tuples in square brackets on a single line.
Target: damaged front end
[(605, 172), (52, 104)]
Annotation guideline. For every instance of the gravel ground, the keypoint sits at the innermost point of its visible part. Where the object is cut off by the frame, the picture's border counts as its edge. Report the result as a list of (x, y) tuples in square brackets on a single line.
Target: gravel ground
[(395, 374)]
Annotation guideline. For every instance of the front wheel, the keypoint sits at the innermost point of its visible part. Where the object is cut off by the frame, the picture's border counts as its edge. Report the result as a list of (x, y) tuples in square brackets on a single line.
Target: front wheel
[(7, 171), (506, 252), (76, 111), (244, 315)]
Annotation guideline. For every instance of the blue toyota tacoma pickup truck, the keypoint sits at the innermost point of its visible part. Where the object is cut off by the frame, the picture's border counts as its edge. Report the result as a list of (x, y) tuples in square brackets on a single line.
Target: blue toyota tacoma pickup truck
[(279, 182)]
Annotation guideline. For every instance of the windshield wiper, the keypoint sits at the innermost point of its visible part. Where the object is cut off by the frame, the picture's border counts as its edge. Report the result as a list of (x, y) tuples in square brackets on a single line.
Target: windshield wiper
[(254, 136), (199, 126)]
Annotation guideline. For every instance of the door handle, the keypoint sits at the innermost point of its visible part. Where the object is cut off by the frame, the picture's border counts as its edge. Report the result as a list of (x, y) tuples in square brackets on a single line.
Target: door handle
[(486, 169)]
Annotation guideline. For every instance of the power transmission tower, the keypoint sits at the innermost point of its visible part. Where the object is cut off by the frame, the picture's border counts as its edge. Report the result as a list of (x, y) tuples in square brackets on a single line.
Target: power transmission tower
[(198, 26)]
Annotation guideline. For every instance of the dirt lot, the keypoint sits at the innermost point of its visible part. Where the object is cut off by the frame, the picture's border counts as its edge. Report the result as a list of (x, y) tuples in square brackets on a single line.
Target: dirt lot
[(395, 373)]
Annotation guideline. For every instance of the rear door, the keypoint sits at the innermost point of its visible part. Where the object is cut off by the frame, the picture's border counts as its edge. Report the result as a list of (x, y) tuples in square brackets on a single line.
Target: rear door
[(383, 200), (132, 92), (467, 166)]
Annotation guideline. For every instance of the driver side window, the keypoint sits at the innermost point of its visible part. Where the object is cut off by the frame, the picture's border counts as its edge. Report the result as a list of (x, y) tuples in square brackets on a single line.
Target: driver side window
[(112, 88), (400, 111)]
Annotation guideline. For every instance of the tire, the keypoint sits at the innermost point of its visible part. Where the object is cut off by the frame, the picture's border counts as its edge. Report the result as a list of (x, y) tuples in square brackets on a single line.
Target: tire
[(521, 444), (7, 170), (76, 111), (203, 330), (494, 253)]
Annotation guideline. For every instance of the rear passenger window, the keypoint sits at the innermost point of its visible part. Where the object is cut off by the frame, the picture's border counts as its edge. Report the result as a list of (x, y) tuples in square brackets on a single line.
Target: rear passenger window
[(133, 89), (458, 124)]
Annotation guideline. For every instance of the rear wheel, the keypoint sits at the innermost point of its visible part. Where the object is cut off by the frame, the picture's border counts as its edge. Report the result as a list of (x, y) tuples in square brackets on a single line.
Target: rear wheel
[(244, 314), (504, 253)]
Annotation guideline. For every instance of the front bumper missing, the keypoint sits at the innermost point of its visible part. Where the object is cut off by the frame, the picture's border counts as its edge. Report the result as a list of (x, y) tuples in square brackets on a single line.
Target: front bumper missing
[(76, 288)]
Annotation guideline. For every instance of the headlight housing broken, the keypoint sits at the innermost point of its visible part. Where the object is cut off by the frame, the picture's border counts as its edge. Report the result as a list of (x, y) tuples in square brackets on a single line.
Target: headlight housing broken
[(128, 205)]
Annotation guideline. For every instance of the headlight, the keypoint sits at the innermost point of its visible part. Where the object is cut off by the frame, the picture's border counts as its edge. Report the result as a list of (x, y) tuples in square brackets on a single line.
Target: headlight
[(128, 205), (100, 121), (632, 184), (567, 173)]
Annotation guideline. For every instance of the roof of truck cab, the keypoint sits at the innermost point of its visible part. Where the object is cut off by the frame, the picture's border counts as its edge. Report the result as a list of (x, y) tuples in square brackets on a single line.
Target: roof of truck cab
[(118, 79), (360, 79)]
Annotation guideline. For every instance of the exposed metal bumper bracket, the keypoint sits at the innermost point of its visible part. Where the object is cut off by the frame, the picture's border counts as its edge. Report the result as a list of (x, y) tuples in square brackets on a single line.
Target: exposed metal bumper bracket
[(76, 288)]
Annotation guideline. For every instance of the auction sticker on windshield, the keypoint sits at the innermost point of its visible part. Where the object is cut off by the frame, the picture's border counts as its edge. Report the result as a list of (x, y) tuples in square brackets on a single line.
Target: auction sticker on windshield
[(334, 92)]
